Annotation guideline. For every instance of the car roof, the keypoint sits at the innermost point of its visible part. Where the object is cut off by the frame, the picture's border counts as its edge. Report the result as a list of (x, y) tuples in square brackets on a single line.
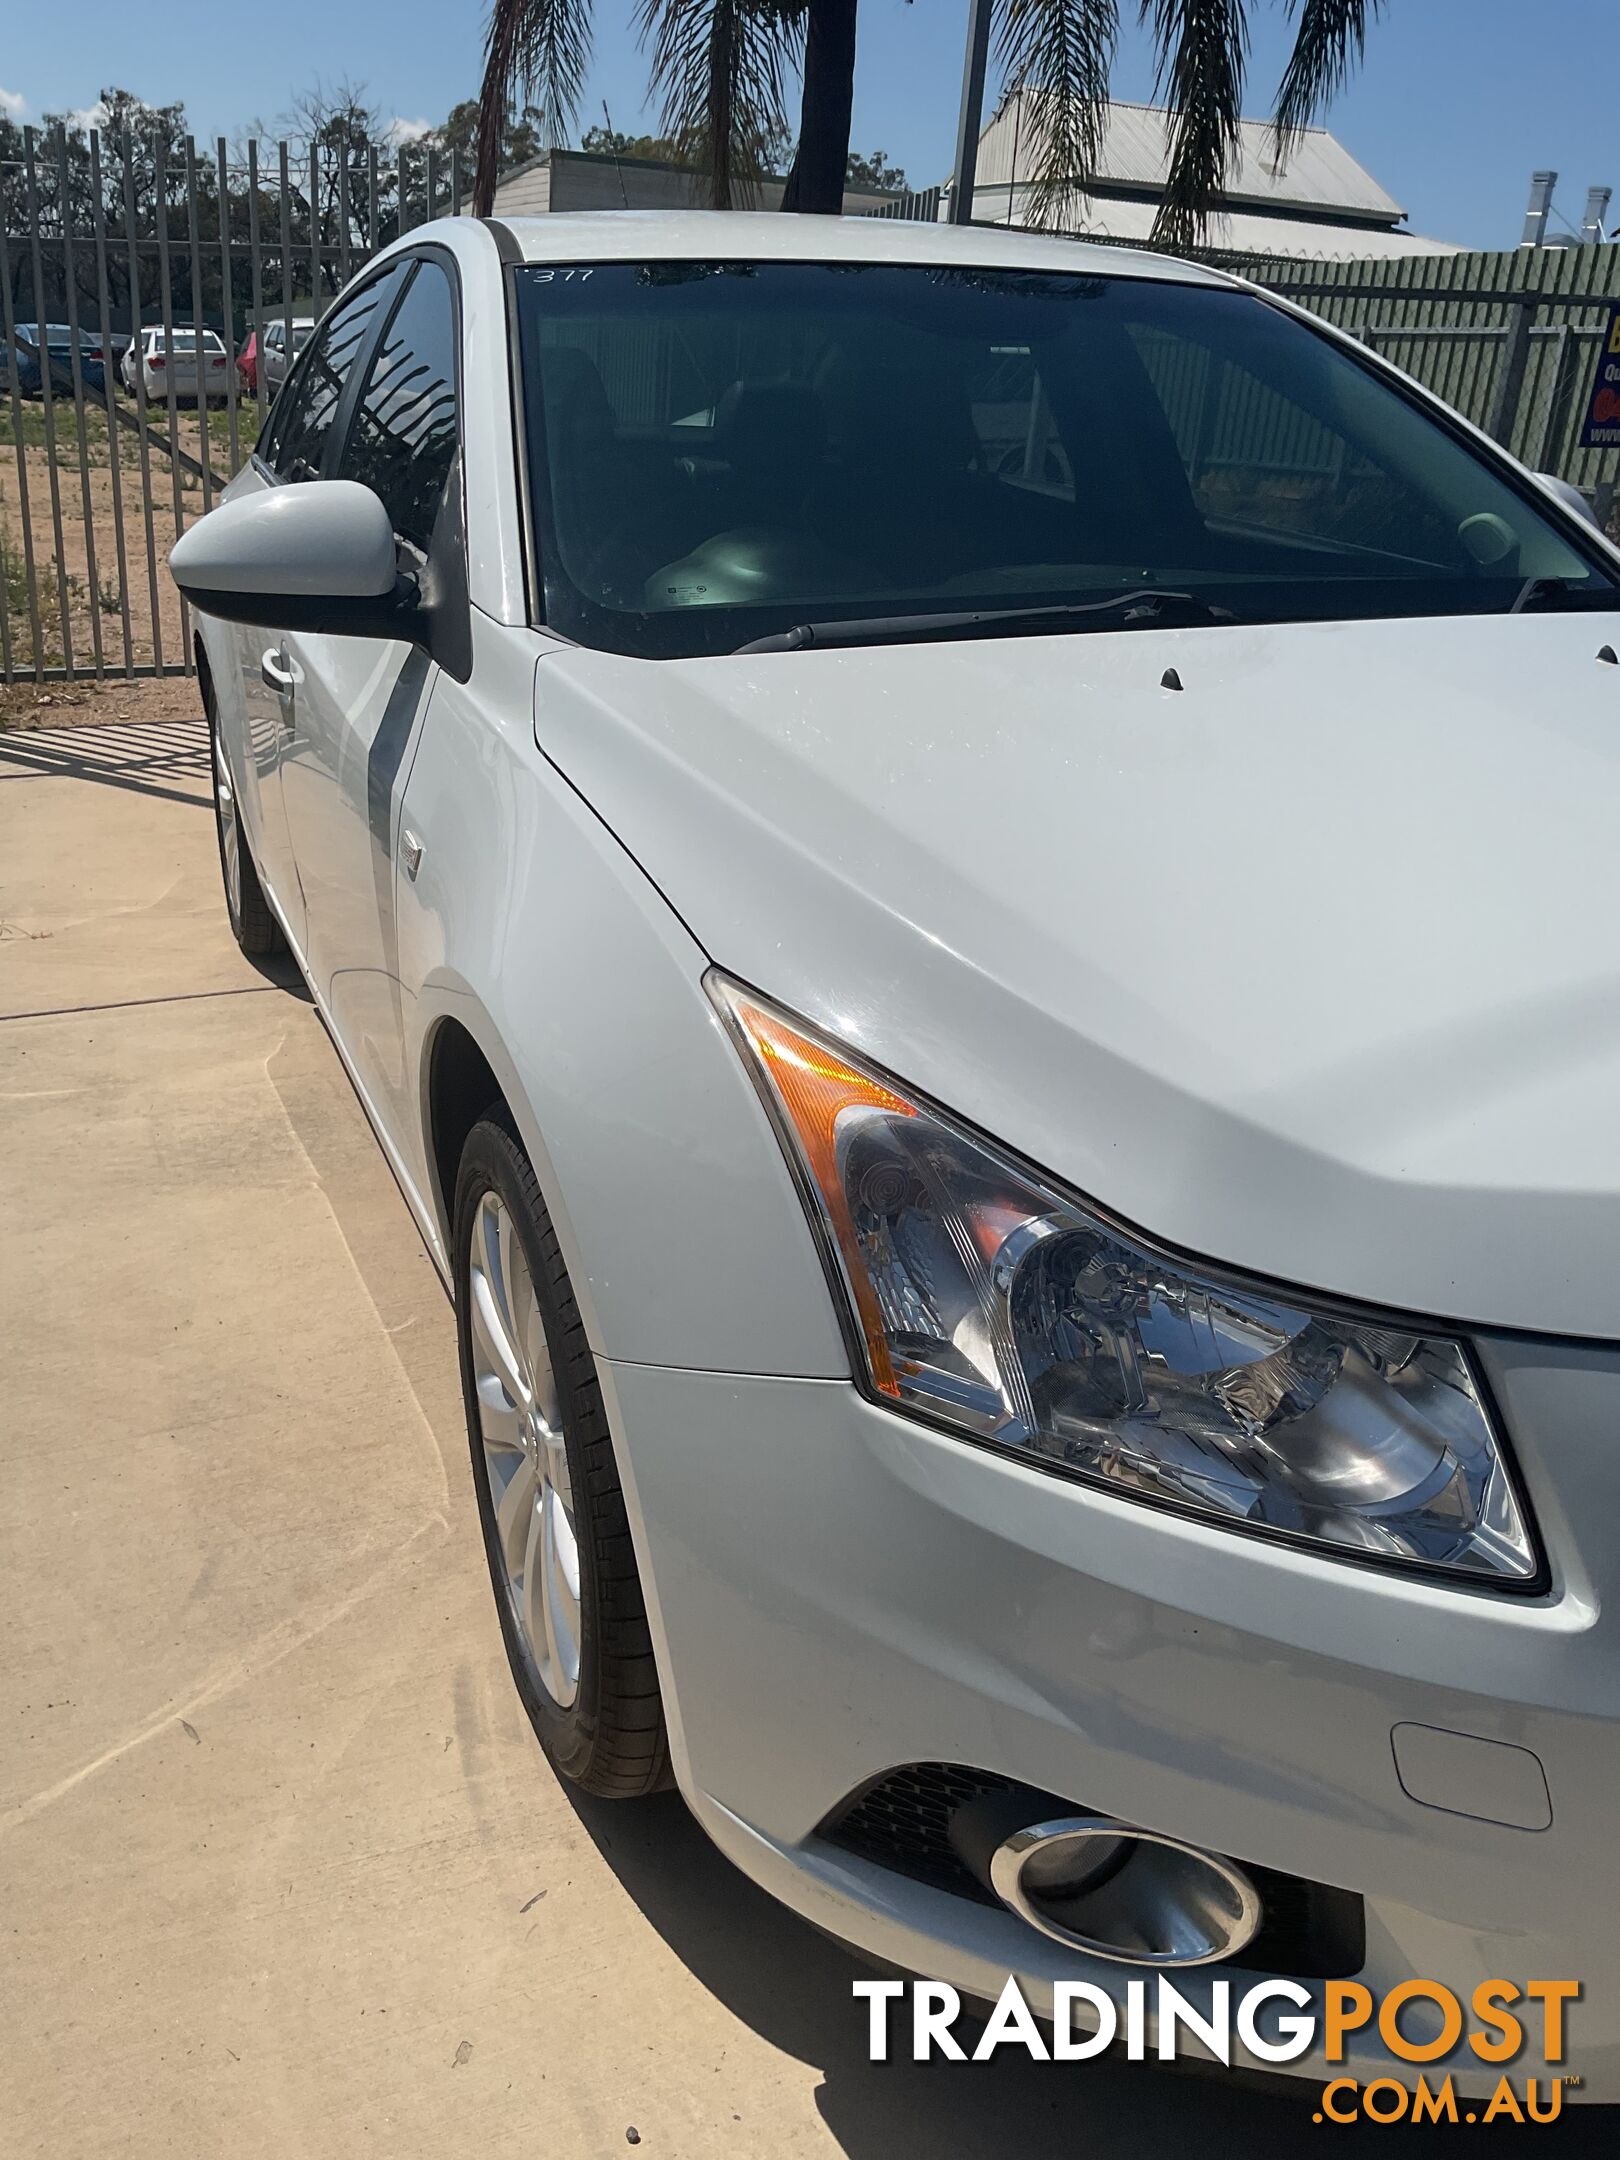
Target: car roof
[(729, 235)]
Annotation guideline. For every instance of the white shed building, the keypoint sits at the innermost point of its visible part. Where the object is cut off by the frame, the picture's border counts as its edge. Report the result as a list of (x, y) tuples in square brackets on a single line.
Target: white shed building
[(597, 180), (1319, 202)]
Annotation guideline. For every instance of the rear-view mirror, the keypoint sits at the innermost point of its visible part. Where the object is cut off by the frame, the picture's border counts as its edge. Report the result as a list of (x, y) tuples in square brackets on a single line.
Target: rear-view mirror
[(1569, 495)]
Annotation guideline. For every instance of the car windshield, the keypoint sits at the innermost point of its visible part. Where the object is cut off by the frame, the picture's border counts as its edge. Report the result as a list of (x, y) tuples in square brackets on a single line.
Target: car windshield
[(727, 451), (182, 341)]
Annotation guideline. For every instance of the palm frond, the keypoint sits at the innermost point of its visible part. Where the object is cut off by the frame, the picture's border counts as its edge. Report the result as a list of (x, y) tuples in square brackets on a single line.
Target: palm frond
[(719, 68), (1059, 53), (1331, 40), (1203, 50), (536, 50)]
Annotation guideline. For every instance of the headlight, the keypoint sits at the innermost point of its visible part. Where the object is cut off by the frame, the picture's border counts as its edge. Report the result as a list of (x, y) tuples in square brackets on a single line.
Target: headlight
[(993, 1303)]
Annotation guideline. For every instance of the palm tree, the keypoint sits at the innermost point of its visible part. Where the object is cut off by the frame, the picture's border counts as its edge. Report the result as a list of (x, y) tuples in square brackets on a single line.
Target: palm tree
[(720, 68)]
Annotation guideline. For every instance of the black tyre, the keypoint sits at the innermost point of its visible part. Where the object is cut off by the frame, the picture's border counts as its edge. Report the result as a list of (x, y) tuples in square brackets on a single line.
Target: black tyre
[(566, 1587), (253, 926)]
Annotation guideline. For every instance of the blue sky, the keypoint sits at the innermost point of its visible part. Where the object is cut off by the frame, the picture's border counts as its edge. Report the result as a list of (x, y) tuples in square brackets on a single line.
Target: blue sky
[(1458, 102)]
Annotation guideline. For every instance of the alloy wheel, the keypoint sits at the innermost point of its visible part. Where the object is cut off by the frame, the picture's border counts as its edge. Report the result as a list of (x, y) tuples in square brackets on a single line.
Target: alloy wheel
[(230, 839), (525, 1454)]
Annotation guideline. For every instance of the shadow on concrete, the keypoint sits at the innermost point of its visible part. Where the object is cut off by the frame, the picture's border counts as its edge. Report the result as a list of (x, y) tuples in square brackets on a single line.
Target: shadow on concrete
[(792, 1986), (152, 757)]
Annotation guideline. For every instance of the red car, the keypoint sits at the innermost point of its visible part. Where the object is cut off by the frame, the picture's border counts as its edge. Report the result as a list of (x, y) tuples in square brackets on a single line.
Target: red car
[(247, 364)]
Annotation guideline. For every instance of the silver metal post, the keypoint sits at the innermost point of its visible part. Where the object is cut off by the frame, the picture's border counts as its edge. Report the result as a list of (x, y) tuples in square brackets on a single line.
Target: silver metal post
[(343, 217), (31, 178), (1535, 217), (132, 239), (115, 447), (227, 298), (286, 261), (256, 269), (30, 574), (76, 371), (1515, 359), (314, 239), (205, 426), (965, 171), (170, 395)]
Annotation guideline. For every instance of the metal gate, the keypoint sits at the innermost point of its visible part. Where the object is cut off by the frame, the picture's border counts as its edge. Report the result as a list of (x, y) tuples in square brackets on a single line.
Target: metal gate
[(103, 463)]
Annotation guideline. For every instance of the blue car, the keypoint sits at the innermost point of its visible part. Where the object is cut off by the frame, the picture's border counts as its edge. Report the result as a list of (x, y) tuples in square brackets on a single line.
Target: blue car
[(19, 364), (58, 359)]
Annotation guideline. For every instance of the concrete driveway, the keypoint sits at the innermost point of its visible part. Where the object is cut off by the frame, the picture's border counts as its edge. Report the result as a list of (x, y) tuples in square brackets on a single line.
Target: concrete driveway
[(282, 1871)]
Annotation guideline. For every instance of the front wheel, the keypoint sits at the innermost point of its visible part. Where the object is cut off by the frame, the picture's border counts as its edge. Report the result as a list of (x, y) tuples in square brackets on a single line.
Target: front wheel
[(252, 925), (569, 1597)]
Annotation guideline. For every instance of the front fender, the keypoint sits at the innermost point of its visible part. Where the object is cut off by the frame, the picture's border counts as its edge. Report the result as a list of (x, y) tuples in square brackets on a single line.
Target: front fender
[(530, 927)]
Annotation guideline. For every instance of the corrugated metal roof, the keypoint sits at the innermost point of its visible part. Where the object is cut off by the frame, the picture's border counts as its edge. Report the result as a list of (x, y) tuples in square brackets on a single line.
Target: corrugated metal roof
[(1319, 173), (1244, 232)]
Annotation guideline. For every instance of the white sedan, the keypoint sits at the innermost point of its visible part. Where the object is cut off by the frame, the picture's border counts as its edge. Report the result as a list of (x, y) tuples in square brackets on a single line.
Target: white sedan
[(169, 362), (971, 884)]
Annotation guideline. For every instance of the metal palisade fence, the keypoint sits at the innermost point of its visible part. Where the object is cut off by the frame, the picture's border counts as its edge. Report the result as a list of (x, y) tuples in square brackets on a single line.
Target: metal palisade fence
[(1511, 339), (105, 238)]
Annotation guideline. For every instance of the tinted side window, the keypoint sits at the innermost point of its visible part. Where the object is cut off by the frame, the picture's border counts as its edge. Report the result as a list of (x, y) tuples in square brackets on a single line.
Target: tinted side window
[(297, 437), (403, 438)]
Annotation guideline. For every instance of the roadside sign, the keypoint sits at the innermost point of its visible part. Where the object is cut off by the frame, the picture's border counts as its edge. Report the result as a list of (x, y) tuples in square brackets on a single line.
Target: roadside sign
[(1600, 430)]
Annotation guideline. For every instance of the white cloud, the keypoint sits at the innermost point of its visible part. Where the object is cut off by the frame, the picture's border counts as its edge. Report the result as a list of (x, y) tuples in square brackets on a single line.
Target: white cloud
[(12, 103), (89, 116), (400, 131)]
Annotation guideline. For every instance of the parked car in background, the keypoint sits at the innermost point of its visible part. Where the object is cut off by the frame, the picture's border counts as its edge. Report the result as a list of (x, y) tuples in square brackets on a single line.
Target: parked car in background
[(247, 364), (18, 371), (279, 350), (969, 881), (166, 360), (51, 358)]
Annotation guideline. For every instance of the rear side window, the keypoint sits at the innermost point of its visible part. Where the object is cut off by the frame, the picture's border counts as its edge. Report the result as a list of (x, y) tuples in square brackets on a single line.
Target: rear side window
[(402, 440), (295, 443)]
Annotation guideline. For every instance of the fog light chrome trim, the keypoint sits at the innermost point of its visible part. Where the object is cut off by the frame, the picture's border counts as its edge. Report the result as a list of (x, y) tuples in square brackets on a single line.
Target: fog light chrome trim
[(1130, 1896)]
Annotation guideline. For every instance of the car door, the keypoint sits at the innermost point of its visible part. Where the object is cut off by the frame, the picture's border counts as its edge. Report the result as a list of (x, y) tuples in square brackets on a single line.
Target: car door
[(293, 449), (358, 704)]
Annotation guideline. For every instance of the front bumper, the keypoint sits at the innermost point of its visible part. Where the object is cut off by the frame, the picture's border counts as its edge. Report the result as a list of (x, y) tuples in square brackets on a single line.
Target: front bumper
[(837, 1591)]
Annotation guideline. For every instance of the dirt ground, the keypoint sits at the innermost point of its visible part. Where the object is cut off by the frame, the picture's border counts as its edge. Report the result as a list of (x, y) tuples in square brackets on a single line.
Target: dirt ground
[(28, 705), (82, 592)]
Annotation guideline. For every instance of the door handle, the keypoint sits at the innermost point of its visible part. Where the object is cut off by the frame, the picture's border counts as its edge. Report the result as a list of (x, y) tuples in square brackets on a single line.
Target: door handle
[(276, 673)]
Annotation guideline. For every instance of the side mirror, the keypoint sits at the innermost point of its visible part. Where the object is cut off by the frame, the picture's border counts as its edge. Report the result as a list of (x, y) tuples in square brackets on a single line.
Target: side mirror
[(318, 556), (1569, 495)]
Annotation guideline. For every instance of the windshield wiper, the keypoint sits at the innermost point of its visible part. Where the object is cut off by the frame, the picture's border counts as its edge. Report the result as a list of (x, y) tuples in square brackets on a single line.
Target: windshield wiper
[(1562, 592), (1145, 609)]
